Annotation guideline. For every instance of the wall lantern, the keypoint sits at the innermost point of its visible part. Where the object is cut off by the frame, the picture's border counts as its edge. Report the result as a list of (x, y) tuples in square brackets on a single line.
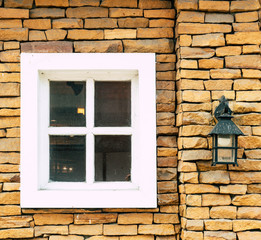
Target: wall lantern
[(224, 135)]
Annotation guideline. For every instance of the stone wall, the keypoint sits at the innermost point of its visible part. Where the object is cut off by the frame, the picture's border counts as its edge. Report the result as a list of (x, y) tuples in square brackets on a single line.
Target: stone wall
[(87, 26), (218, 53)]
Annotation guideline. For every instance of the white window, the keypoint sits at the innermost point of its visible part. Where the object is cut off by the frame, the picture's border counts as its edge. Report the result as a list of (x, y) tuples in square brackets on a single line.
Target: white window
[(88, 130)]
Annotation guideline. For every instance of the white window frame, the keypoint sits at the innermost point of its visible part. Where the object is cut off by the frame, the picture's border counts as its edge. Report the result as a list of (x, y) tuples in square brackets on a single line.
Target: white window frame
[(37, 69)]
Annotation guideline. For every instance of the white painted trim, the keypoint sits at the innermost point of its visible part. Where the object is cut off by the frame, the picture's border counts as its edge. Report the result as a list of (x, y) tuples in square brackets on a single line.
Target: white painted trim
[(36, 70)]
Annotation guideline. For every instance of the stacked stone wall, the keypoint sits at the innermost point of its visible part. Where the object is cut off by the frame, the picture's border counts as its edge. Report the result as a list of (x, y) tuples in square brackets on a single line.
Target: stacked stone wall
[(218, 53), (91, 26)]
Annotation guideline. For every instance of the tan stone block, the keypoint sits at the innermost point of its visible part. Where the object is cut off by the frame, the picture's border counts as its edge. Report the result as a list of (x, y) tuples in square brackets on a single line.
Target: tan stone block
[(159, 23), (189, 177), (115, 229), (253, 154), (86, 229), (243, 225), (187, 167), (197, 212), (223, 212), (119, 3), (244, 38), (78, 3), (14, 13), (214, 6), (249, 119), (165, 119), (191, 235), (9, 187), (201, 118), (19, 34), (47, 47), (225, 73), (188, 52), (214, 177), (196, 96), (248, 5), (68, 23), (2, 133), (84, 34), (228, 51), (197, 28), (248, 235), (132, 23), (149, 4), (9, 168), (228, 95), (169, 209), (157, 229), (247, 84), (125, 12), (256, 131), (15, 222), (251, 49), (10, 77), (167, 161), (194, 130), (247, 200), (246, 17), (9, 67), (163, 13), (214, 225), (41, 230), (185, 84), (94, 218), (196, 74), (216, 235), (138, 237), (9, 89), (52, 3), (249, 141), (185, 41), (166, 218), (53, 219), (249, 212), (165, 66), (87, 12), (17, 233), (211, 40), (169, 75), (9, 144), (13, 158), (233, 189), (18, 4), (9, 177), (37, 36), (10, 198), (251, 73), (166, 173), (193, 200), (218, 84), (195, 225), (168, 199), (167, 130), (219, 18), (167, 186), (16, 23), (9, 210), (215, 200), (70, 237), (243, 61), (157, 45), (247, 165), (55, 34), (245, 177), (189, 16), (165, 85), (186, 5), (196, 107), (168, 141), (98, 46), (47, 13), (154, 32), (195, 142), (211, 63), (11, 45), (200, 188), (7, 122), (37, 23), (135, 218)]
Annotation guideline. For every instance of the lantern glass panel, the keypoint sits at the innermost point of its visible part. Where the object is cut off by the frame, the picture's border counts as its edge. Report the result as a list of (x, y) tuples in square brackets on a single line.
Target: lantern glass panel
[(226, 148), (226, 155), (226, 140)]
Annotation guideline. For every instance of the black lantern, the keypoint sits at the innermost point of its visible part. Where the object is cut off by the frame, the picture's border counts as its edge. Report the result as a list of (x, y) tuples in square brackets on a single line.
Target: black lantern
[(224, 135)]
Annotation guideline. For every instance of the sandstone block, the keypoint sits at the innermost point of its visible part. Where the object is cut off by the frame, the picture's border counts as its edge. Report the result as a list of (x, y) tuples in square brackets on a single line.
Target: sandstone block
[(245, 107), (251, 73), (166, 141), (159, 23), (214, 177), (233, 189), (120, 33), (248, 235), (157, 46), (67, 23), (100, 23), (229, 212), (247, 200), (186, 5), (244, 38), (9, 144), (196, 107), (12, 158), (243, 225), (211, 235), (193, 200), (101, 46), (211, 63), (169, 75), (169, 209), (55, 34), (79, 3), (157, 229), (253, 154), (125, 12), (195, 225), (195, 142), (9, 177), (167, 161), (149, 4), (165, 119), (10, 198), (246, 27), (185, 84), (196, 74), (167, 152), (214, 225), (84, 34), (47, 47), (246, 17), (215, 200), (188, 64), (19, 34), (201, 118), (37, 23), (135, 218), (218, 84), (185, 40), (69, 237), (228, 51), (189, 16), (189, 235), (187, 52), (208, 40), (155, 33), (164, 96), (167, 187), (166, 218), (249, 119), (166, 130), (167, 173), (52, 3), (225, 73), (41, 230), (189, 177), (37, 36), (138, 237), (193, 130), (10, 77), (119, 3), (53, 219), (9, 89), (17, 233), (118, 230), (9, 67), (197, 28), (9, 187), (15, 222), (163, 13), (5, 168), (197, 212), (248, 5), (249, 141), (219, 18), (87, 12), (19, 4), (247, 84), (249, 212), (16, 23), (168, 199), (245, 177), (47, 13), (244, 61), (9, 210), (247, 165), (86, 229), (14, 13), (214, 6), (11, 45), (187, 167), (94, 218), (251, 49)]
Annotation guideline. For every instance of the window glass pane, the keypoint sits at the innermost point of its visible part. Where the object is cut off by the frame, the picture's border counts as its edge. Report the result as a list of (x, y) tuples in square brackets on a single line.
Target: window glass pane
[(112, 104), (67, 103), (226, 155), (112, 158), (67, 158)]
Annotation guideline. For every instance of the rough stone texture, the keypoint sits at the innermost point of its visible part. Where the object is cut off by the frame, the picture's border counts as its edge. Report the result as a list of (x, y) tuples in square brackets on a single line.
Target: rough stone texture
[(95, 218), (157, 229), (229, 212), (19, 34), (53, 219), (46, 47)]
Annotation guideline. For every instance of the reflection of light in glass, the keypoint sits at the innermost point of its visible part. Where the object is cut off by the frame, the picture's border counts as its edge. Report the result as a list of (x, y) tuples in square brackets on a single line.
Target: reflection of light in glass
[(81, 111), (64, 168), (224, 141), (70, 169)]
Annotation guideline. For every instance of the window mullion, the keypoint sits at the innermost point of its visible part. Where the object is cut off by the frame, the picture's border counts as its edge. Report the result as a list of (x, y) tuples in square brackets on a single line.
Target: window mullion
[(90, 136)]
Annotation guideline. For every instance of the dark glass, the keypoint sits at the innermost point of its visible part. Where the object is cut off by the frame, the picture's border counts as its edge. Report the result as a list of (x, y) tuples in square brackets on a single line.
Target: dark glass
[(112, 158), (67, 158), (112, 104), (67, 103)]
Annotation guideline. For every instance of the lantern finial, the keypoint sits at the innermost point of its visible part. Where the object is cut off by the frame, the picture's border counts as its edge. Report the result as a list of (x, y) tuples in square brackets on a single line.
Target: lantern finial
[(222, 108)]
